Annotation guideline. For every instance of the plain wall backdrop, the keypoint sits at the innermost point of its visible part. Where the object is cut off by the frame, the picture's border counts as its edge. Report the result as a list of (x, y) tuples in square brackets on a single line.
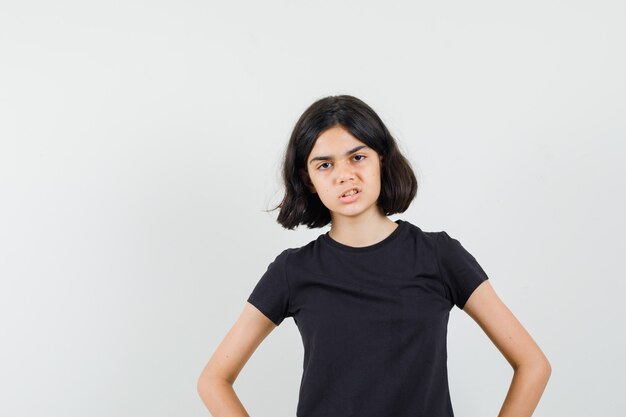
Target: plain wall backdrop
[(140, 143)]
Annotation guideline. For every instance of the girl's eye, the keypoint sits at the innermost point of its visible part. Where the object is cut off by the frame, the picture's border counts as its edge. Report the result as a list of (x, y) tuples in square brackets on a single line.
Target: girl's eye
[(325, 165)]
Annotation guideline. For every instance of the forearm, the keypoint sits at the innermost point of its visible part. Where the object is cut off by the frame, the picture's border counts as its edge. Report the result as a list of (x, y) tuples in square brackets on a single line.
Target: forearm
[(527, 386), (220, 398)]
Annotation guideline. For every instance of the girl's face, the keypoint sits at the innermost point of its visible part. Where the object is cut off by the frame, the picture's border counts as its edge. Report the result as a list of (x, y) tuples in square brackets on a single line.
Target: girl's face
[(338, 163)]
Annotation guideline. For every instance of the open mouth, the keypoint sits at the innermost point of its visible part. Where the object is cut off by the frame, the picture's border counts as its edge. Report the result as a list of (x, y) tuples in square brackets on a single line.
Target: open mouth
[(350, 193)]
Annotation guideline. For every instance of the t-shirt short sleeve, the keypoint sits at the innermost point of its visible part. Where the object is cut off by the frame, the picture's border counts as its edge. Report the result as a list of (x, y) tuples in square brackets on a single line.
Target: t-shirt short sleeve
[(271, 293), (459, 270)]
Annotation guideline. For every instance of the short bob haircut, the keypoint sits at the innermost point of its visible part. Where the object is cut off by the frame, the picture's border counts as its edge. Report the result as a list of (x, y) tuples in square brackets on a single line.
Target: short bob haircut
[(299, 204)]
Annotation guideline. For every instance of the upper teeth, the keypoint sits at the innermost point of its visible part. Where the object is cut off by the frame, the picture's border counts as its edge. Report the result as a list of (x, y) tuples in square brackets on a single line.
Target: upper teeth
[(351, 192)]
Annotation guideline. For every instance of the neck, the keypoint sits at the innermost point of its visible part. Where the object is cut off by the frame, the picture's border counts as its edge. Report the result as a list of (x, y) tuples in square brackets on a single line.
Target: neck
[(362, 231)]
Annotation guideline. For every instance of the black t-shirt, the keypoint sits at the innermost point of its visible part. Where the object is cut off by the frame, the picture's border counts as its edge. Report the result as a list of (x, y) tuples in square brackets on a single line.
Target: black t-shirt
[(373, 320)]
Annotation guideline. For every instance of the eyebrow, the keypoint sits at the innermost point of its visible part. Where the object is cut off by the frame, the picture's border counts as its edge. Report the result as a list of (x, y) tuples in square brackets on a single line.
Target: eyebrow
[(327, 157)]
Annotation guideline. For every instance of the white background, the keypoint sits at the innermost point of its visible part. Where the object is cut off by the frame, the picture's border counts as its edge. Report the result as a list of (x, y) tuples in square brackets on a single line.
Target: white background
[(140, 142)]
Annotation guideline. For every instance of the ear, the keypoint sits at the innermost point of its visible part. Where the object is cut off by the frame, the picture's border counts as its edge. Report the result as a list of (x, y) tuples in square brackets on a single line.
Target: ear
[(307, 181)]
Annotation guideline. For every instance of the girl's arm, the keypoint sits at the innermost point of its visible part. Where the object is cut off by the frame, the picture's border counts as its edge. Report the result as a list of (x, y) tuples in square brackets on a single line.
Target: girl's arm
[(215, 384), (531, 367)]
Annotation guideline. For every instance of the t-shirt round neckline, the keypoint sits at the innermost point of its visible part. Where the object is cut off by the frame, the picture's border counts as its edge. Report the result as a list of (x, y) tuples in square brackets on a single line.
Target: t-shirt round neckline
[(354, 249)]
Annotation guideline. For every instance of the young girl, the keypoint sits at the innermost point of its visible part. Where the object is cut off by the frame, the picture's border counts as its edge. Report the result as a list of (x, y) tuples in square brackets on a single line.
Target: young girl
[(371, 297)]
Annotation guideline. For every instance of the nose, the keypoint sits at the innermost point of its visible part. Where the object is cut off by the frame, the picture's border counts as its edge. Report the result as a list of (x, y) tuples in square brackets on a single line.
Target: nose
[(344, 172)]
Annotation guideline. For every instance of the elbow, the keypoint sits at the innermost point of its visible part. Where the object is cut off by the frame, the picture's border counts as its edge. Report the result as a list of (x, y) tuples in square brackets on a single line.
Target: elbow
[(206, 391), (541, 368), (204, 384), (544, 372), (203, 387), (207, 385), (535, 361), (547, 369)]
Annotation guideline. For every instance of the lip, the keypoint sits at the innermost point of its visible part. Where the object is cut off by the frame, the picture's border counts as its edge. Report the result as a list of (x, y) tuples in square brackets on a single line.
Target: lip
[(358, 189)]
